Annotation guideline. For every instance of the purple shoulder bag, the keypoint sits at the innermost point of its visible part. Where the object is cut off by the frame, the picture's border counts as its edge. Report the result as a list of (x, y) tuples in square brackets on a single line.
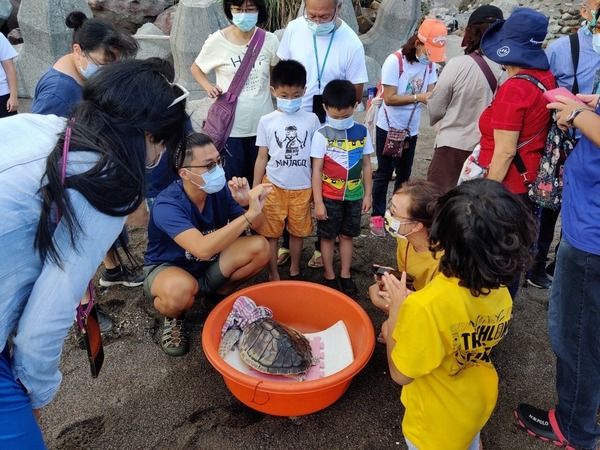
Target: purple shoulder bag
[(219, 121)]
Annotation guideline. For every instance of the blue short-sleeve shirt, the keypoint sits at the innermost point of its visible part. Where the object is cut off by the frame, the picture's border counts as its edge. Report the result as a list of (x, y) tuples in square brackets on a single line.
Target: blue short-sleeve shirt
[(173, 213), (56, 93)]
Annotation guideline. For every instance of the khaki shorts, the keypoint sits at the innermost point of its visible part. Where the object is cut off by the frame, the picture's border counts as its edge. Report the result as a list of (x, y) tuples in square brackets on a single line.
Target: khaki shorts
[(282, 204), (208, 282)]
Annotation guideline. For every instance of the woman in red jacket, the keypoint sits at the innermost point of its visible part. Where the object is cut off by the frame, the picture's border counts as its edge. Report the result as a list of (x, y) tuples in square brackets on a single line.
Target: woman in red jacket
[(515, 125), (517, 121)]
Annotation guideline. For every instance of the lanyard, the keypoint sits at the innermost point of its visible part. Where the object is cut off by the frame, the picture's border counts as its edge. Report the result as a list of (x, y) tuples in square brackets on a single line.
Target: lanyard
[(322, 69)]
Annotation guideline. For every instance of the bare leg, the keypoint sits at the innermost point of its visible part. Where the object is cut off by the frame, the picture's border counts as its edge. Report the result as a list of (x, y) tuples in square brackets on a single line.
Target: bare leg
[(273, 272), (327, 247), (174, 290), (296, 254), (345, 255), (110, 260), (247, 256)]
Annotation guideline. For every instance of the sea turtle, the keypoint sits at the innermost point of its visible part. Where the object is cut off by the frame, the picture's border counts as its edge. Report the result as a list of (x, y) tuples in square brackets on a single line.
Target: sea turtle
[(264, 344)]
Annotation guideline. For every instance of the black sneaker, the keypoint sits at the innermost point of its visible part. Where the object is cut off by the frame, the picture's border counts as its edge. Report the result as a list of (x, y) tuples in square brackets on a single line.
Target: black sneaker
[(348, 286), (125, 278), (333, 284), (104, 320), (541, 424), (539, 279)]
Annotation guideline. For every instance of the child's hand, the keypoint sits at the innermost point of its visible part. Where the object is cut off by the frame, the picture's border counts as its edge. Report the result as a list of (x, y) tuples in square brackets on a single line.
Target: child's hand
[(366, 204), (590, 100), (320, 211), (377, 299)]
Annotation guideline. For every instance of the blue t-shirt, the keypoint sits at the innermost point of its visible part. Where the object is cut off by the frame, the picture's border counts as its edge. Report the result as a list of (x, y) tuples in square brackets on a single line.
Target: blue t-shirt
[(581, 202), (173, 213), (56, 93)]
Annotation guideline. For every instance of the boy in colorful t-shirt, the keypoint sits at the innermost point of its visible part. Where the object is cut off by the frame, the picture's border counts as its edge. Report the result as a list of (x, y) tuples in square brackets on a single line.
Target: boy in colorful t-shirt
[(439, 339), (341, 179)]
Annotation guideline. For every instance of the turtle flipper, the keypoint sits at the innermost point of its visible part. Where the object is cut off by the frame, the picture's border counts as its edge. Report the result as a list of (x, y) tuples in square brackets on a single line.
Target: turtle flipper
[(228, 341)]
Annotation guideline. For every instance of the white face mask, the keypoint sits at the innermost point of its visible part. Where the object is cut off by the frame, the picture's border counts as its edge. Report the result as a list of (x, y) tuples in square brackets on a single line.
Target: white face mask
[(392, 225)]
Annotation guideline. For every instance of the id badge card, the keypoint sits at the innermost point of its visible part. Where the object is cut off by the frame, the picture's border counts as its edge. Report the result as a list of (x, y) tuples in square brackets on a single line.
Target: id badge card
[(318, 109)]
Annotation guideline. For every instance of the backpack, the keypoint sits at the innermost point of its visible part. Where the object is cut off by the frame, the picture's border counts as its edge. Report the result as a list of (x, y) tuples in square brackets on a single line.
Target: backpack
[(546, 189)]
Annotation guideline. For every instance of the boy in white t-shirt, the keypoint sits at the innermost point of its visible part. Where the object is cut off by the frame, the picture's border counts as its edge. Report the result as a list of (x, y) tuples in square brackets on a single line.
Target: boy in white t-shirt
[(284, 139), (9, 102)]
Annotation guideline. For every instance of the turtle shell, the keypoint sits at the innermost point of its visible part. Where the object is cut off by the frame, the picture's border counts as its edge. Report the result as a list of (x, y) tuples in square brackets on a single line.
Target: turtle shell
[(270, 347)]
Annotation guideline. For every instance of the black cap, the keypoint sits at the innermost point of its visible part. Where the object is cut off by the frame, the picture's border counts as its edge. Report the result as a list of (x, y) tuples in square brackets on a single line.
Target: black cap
[(485, 13)]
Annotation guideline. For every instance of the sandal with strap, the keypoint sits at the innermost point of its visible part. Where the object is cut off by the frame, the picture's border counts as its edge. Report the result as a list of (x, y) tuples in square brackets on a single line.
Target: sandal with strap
[(283, 256)]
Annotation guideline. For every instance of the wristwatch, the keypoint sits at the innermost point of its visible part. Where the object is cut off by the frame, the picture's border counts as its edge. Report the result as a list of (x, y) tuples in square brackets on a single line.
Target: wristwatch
[(415, 98), (573, 115)]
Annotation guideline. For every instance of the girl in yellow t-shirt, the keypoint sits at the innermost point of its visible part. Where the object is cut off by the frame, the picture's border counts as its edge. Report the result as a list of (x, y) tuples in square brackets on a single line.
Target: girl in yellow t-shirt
[(408, 219), (439, 339)]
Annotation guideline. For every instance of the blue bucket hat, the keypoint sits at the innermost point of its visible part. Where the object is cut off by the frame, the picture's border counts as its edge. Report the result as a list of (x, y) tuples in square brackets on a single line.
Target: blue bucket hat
[(517, 41)]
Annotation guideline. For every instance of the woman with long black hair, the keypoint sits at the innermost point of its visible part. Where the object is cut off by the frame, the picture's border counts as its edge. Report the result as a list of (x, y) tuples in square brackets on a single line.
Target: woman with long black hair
[(54, 233)]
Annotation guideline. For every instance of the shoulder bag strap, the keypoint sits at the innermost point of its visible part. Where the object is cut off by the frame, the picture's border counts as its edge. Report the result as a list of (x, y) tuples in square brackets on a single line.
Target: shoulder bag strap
[(519, 164), (487, 71), (574, 41), (241, 75)]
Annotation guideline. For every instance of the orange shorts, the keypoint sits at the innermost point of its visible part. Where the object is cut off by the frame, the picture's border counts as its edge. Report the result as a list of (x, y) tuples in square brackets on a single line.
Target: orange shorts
[(282, 204)]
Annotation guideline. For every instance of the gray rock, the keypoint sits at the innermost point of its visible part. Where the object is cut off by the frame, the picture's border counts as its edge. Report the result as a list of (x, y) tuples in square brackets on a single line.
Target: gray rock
[(45, 37), (347, 14), (198, 110), (165, 19), (128, 14), (507, 6), (153, 42), (194, 21), (374, 71), (396, 22)]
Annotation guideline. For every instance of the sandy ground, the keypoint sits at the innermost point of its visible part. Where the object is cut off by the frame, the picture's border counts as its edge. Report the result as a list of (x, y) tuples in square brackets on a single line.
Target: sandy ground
[(144, 399)]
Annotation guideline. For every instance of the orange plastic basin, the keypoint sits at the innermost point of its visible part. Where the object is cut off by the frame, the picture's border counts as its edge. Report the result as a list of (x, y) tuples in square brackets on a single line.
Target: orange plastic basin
[(307, 307)]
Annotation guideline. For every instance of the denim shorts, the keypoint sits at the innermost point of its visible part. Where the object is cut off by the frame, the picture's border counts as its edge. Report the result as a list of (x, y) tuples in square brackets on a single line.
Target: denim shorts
[(343, 217), (208, 282)]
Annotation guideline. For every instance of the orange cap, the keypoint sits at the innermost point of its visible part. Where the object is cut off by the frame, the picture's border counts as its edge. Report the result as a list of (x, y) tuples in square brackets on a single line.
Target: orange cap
[(433, 33)]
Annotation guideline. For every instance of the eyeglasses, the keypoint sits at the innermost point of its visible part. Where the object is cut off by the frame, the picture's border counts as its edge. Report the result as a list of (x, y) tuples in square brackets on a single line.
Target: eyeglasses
[(210, 166), (248, 9), (185, 94)]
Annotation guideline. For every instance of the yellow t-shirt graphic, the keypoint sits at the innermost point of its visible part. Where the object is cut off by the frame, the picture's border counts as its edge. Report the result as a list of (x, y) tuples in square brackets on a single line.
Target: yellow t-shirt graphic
[(444, 337)]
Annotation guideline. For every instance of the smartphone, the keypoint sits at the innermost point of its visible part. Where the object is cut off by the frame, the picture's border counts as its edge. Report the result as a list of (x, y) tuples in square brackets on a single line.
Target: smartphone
[(93, 342), (378, 271), (551, 95)]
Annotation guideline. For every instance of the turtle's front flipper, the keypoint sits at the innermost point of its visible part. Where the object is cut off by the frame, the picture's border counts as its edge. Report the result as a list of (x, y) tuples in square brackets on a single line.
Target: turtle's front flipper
[(228, 341)]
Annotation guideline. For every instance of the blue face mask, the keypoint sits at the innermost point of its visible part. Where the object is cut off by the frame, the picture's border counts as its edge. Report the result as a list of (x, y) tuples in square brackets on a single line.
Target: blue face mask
[(321, 29), (214, 180), (289, 105), (245, 21), (423, 59), (90, 70), (340, 124)]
